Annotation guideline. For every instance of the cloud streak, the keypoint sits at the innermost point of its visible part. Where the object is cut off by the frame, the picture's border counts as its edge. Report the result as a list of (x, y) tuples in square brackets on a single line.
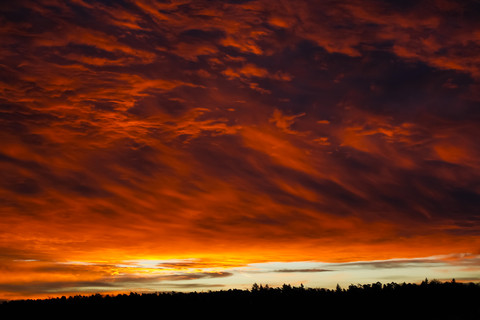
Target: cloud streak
[(301, 270)]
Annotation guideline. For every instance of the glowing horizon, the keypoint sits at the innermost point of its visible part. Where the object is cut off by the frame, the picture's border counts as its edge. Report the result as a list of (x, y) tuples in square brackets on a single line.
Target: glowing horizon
[(154, 145), (147, 276)]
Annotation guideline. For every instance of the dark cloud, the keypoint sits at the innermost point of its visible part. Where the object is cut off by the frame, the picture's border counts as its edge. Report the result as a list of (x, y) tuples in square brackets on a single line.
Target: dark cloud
[(193, 285), (55, 287), (409, 263), (392, 264), (302, 270)]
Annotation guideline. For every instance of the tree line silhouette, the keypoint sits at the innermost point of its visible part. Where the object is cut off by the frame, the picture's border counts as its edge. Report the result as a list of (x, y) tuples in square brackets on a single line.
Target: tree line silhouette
[(428, 300)]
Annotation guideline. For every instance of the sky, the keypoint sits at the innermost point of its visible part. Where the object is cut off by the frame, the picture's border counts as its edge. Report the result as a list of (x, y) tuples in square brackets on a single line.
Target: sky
[(194, 145)]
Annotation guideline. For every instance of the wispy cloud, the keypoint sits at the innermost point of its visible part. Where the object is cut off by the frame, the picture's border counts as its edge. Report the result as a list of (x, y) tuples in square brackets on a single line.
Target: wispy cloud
[(301, 270)]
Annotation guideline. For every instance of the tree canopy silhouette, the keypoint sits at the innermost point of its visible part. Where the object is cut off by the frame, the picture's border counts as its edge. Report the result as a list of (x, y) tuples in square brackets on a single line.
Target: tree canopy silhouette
[(428, 300)]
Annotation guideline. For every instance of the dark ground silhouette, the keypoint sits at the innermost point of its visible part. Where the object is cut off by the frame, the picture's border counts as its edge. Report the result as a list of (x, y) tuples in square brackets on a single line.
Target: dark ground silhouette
[(428, 300)]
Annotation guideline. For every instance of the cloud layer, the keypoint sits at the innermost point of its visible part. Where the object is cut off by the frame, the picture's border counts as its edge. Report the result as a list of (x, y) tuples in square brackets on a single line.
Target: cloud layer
[(238, 131)]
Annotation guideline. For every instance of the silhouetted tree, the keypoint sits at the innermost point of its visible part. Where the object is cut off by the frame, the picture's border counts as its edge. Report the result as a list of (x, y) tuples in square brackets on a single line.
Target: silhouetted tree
[(286, 287), (424, 282)]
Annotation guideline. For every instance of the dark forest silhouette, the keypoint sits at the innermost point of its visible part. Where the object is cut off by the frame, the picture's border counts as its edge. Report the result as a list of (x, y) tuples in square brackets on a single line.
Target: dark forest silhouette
[(428, 300)]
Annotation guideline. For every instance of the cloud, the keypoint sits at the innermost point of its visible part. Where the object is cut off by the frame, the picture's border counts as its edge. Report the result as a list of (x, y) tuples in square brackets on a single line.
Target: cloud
[(196, 264), (121, 281), (92, 277), (435, 261), (194, 285), (302, 270)]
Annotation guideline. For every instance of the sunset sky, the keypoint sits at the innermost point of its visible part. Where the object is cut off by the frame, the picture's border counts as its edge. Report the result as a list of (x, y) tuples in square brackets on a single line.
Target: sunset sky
[(194, 145)]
